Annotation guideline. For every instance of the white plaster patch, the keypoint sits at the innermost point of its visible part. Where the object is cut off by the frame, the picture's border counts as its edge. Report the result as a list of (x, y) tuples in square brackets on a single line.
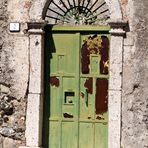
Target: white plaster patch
[(114, 8), (36, 64), (114, 106), (34, 120), (115, 62), (116, 49), (39, 6), (29, 147), (115, 76)]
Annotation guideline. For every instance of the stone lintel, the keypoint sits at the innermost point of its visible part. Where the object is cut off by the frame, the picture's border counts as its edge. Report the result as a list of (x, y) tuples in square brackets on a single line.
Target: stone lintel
[(36, 27), (118, 23), (36, 31), (29, 147), (117, 27), (117, 32)]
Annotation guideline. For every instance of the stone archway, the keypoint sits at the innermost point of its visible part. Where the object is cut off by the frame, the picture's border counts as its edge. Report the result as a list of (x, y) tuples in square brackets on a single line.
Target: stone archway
[(36, 92), (39, 7)]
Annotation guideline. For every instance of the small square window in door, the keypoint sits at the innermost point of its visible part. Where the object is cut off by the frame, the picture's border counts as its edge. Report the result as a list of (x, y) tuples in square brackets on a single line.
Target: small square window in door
[(69, 97)]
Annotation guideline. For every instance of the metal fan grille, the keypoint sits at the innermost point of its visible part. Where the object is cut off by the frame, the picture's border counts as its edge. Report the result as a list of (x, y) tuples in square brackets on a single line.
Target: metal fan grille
[(77, 12)]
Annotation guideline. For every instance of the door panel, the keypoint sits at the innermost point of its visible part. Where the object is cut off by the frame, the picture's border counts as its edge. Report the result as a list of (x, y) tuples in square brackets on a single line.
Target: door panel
[(54, 99), (69, 107), (86, 132), (101, 134), (93, 90), (86, 99), (69, 135), (54, 136), (77, 90)]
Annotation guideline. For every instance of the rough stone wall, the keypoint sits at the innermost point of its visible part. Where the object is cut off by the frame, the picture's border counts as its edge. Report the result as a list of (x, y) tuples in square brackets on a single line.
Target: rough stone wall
[(14, 71), (135, 76)]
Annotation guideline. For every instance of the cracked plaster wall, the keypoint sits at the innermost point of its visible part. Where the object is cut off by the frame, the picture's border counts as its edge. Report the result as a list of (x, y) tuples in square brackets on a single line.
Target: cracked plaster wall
[(135, 76), (14, 73)]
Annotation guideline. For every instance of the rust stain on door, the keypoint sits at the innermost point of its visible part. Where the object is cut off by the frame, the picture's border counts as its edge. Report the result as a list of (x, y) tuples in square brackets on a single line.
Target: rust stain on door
[(67, 115), (101, 102), (89, 85), (91, 46), (95, 45), (104, 62), (54, 81)]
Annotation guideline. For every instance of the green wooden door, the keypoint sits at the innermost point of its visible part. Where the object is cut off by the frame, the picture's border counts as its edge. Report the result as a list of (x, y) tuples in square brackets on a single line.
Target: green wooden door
[(76, 88)]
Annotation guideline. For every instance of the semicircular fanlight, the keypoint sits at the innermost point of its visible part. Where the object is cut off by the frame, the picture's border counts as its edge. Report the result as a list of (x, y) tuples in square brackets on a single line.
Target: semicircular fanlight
[(77, 12)]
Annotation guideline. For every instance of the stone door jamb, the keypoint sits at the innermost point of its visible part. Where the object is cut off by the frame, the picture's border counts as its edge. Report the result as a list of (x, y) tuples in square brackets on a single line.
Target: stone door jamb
[(36, 93), (34, 114)]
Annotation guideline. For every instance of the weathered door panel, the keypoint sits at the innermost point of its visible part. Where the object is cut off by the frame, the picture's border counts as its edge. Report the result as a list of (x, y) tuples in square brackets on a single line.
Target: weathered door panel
[(64, 92), (69, 135), (77, 89), (54, 136), (86, 132), (93, 90), (101, 135)]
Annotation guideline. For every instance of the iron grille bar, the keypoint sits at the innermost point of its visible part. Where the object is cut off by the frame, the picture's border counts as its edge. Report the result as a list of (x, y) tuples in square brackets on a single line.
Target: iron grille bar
[(59, 7), (83, 3), (58, 13), (66, 17), (74, 3), (98, 14), (79, 11), (87, 5), (55, 12), (56, 18), (79, 3), (69, 3), (93, 5), (52, 17), (104, 11), (63, 4), (99, 6)]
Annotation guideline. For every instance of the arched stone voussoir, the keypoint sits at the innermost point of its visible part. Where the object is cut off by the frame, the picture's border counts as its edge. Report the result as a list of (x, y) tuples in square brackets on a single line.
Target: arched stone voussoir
[(115, 9), (38, 9)]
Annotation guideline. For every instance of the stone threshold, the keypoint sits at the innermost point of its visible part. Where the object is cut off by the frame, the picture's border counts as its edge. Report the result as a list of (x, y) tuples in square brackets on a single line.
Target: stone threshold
[(29, 147)]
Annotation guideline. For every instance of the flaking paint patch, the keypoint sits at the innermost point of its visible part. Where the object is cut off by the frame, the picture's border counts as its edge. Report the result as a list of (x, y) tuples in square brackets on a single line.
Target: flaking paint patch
[(54, 81), (91, 45), (99, 117), (95, 45), (85, 59), (101, 102), (104, 62), (82, 94), (67, 115), (89, 85)]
